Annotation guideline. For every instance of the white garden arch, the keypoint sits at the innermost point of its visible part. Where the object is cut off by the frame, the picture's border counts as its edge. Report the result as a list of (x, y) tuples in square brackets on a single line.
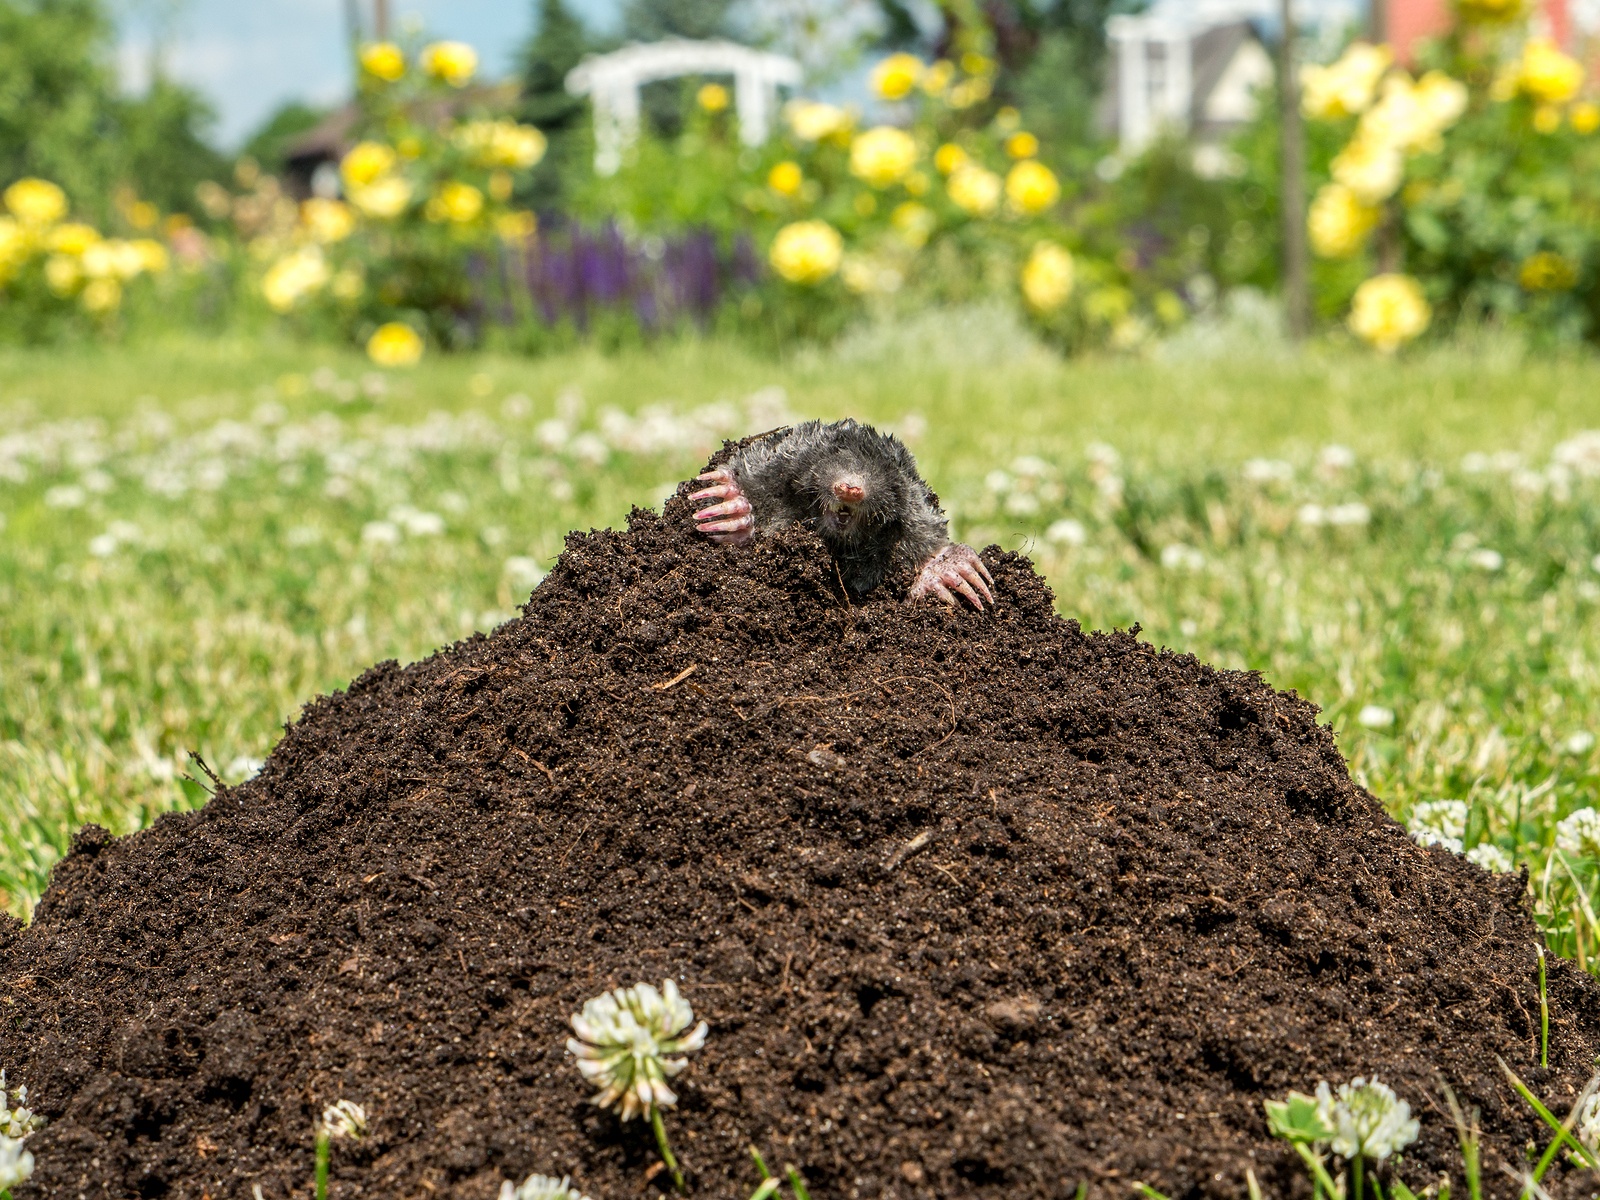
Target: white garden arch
[(612, 82)]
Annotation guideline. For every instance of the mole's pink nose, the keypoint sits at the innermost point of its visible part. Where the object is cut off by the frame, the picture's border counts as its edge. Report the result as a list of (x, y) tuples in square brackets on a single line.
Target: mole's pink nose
[(849, 493)]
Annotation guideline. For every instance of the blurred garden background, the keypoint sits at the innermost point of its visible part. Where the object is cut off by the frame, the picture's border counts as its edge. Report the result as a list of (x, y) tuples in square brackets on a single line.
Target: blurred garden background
[(1277, 337)]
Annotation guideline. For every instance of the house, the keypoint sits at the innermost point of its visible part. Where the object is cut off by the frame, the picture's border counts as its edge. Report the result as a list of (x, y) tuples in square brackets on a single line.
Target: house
[(1196, 66)]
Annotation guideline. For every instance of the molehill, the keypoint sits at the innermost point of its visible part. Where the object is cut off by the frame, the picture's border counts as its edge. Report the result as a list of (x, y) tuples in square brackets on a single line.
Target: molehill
[(977, 905)]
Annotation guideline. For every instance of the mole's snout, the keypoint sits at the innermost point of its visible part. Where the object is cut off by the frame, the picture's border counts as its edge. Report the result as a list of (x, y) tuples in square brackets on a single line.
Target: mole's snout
[(849, 491)]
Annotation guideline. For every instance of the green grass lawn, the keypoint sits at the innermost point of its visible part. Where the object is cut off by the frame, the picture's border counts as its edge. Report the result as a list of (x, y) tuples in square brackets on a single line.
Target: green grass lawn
[(199, 537)]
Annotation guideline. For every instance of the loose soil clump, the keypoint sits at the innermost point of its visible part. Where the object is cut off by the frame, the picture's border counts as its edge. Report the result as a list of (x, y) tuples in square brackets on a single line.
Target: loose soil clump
[(976, 906)]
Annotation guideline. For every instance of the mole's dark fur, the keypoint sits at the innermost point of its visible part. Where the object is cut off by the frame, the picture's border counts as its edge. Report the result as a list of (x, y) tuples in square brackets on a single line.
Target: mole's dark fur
[(788, 476)]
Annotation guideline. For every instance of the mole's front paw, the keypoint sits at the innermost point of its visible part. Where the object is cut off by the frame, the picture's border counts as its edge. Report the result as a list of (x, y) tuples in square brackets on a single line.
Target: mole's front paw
[(954, 569), (730, 521)]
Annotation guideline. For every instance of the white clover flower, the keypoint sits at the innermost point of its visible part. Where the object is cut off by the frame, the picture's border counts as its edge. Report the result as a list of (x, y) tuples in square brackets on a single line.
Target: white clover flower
[(1367, 1119), (1346, 515), (16, 1162), (1579, 833), (1589, 1122), (1312, 515), (1432, 837), (1448, 817), (17, 1120), (1066, 532), (345, 1119), (1486, 559), (1491, 858), (1375, 716), (1178, 557), (541, 1187), (624, 1038), (1267, 470), (1579, 743)]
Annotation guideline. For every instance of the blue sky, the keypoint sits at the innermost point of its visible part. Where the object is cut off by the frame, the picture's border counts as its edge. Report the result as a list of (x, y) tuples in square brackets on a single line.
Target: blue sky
[(249, 57)]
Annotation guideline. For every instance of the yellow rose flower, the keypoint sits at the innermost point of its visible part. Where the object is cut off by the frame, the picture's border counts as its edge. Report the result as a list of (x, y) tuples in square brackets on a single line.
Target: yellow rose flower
[(385, 199), (1547, 74), (516, 227), (1547, 271), (1338, 223), (1388, 311), (453, 62), (502, 144), (1585, 117), (395, 345), (327, 221), (366, 163), (1411, 117), (948, 158), (882, 156), (916, 183), (1546, 118), (786, 178), (712, 97), (914, 223), (456, 202), (113, 258), (1346, 87), (812, 121), (1047, 277), (72, 238), (895, 76), (969, 92), (294, 277), (101, 296), (501, 185), (806, 252), (63, 274), (1371, 169), (153, 257), (383, 60), (348, 284), (36, 202), (974, 190), (937, 77), (1032, 187), (1022, 145)]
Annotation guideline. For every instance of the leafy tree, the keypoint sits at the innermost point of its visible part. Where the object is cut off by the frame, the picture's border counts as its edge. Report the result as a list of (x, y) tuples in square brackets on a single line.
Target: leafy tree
[(558, 44), (63, 118), (56, 115), (163, 152)]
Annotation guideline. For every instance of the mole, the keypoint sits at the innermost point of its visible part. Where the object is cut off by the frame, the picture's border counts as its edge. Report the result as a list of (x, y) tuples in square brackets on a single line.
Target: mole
[(859, 489)]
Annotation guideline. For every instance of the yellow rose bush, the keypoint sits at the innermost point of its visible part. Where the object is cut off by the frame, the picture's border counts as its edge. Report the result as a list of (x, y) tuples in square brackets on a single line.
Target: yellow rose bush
[(57, 273), (1468, 190), (426, 192), (940, 196)]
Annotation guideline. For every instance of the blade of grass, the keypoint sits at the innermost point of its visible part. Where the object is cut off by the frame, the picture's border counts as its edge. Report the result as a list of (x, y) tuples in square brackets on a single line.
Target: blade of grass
[(1561, 1131), (796, 1184), (1469, 1134), (1544, 1012), (1148, 1192)]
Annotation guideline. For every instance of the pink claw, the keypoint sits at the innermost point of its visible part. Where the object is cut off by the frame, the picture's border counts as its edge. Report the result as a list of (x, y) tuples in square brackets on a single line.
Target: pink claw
[(734, 506), (956, 569)]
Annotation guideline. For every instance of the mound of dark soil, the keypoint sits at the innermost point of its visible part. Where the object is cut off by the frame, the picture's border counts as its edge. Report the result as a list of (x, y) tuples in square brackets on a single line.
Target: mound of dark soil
[(1146, 896)]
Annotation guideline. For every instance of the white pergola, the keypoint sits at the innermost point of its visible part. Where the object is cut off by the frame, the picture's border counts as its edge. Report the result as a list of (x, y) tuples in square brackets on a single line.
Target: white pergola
[(612, 82)]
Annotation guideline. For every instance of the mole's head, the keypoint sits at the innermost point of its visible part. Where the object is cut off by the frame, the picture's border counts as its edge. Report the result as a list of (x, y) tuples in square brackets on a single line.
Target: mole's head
[(854, 497)]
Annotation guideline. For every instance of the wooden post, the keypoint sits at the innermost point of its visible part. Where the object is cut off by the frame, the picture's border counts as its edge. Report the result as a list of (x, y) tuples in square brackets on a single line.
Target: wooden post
[(1292, 185), (1378, 21), (380, 20)]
